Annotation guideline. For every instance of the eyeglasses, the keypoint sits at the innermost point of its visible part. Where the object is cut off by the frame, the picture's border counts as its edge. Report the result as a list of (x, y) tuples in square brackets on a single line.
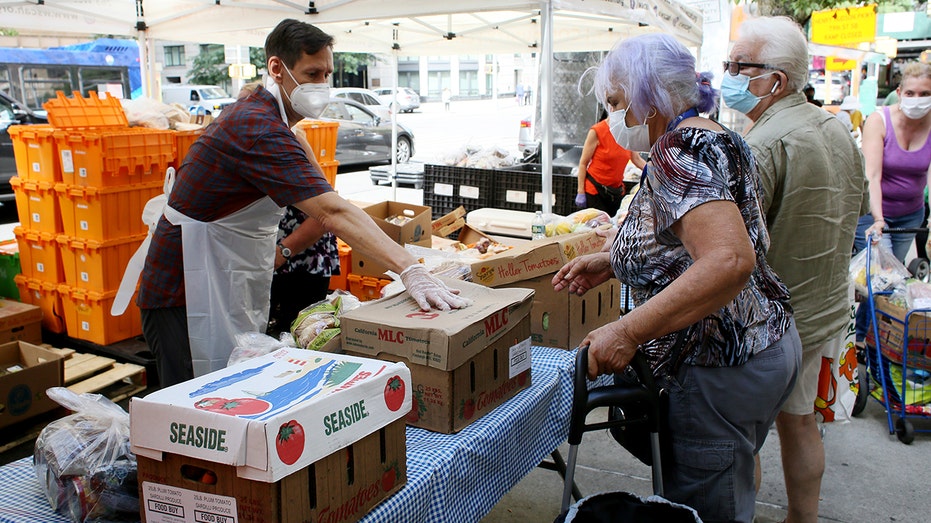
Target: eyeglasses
[(733, 68)]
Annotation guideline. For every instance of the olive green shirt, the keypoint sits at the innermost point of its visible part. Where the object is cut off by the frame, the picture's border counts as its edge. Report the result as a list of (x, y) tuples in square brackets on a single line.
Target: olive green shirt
[(814, 189)]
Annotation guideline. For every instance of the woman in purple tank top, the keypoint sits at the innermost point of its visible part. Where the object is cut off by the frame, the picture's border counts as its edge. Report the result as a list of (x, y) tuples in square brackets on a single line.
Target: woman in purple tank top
[(897, 153)]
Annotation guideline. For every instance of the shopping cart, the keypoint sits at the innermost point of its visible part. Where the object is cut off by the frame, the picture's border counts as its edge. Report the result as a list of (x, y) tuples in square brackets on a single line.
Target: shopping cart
[(641, 402), (896, 336)]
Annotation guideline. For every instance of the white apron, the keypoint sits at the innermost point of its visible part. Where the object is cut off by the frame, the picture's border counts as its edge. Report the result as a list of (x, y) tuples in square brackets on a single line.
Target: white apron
[(228, 267)]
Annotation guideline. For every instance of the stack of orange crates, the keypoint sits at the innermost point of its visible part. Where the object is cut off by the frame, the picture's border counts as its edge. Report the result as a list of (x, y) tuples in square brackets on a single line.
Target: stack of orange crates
[(322, 138), (80, 192)]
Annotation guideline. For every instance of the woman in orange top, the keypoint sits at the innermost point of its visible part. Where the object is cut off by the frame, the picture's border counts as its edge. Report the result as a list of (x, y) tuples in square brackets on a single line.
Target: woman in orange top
[(601, 169)]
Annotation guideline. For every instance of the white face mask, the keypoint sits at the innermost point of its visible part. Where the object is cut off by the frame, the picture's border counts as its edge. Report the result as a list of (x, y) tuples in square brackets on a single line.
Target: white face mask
[(636, 138), (915, 107), (308, 100)]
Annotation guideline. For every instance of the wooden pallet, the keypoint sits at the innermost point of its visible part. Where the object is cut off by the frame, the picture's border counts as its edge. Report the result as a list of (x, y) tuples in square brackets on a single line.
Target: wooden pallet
[(83, 373)]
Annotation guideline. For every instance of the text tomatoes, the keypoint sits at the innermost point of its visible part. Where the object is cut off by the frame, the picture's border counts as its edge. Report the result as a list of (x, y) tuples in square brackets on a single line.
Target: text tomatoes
[(290, 442), (394, 393)]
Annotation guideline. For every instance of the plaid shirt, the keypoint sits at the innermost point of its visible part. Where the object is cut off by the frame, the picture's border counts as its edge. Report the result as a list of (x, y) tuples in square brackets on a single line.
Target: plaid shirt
[(246, 154)]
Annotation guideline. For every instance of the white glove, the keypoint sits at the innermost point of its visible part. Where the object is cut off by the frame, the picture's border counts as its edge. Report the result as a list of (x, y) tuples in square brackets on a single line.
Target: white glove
[(429, 292)]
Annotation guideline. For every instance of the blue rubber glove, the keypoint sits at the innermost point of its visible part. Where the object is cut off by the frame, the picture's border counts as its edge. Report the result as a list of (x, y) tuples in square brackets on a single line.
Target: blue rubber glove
[(580, 200)]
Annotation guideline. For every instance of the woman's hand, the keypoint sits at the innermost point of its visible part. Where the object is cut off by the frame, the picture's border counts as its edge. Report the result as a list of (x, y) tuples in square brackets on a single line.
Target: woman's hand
[(876, 230), (609, 349), (584, 273)]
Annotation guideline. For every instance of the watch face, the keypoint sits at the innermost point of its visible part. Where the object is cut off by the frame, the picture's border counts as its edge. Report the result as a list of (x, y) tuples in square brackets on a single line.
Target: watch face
[(286, 252)]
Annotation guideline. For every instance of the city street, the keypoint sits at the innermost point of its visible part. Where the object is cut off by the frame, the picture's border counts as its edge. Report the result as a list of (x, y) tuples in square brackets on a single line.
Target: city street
[(439, 134)]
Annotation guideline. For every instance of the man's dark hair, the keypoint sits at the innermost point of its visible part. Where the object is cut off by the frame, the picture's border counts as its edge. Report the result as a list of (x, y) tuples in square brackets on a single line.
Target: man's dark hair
[(292, 37)]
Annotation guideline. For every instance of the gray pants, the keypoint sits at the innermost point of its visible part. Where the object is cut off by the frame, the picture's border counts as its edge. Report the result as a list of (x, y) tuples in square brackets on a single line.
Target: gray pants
[(719, 418), (165, 332)]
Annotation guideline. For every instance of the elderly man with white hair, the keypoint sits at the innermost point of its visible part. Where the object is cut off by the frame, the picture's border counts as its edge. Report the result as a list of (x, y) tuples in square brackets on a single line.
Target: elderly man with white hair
[(814, 189)]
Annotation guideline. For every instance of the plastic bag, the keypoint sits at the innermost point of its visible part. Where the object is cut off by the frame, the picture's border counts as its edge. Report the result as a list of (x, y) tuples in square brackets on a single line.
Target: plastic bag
[(253, 344), (837, 377), (918, 294), (319, 323), (886, 270), (84, 463)]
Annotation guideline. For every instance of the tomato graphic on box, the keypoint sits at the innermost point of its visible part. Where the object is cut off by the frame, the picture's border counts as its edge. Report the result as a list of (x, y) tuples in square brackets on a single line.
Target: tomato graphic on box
[(233, 407), (418, 407), (394, 393), (467, 409), (290, 442)]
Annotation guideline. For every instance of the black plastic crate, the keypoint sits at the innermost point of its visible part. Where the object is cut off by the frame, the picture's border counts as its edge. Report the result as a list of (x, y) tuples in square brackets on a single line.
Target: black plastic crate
[(447, 187), (520, 188)]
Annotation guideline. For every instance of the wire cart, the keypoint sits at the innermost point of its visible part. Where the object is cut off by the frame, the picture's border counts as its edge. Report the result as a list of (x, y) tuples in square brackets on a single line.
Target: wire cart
[(896, 335)]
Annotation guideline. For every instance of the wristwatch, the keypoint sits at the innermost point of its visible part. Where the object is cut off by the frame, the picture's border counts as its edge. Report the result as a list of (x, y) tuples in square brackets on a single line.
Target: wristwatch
[(286, 252)]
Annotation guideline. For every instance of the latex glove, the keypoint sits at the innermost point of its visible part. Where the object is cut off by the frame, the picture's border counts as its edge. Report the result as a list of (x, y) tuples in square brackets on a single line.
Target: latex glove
[(429, 292), (580, 200)]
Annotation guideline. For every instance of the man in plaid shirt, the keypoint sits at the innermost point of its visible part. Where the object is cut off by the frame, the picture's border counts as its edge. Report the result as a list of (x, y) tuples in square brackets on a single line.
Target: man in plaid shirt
[(208, 269)]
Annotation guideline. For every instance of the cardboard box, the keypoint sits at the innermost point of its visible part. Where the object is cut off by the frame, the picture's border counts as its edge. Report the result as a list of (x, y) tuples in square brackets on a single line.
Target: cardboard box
[(440, 339), (535, 258), (448, 401), (238, 415), (893, 338), (416, 232), (341, 487), (562, 319), (20, 321), (23, 391)]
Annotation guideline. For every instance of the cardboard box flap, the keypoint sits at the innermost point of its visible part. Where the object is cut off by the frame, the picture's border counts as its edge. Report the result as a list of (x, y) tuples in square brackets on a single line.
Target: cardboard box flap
[(14, 314), (440, 339), (315, 401)]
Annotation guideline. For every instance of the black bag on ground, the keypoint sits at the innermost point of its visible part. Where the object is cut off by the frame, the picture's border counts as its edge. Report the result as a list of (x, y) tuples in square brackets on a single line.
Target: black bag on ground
[(612, 507)]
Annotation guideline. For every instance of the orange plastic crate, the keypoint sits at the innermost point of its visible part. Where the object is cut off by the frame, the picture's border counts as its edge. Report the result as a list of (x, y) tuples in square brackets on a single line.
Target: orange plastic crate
[(105, 213), (39, 256), (96, 266), (183, 142), (78, 112), (35, 152), (340, 281), (329, 171), (114, 157), (37, 205), (87, 316), (366, 287), (322, 138), (44, 295)]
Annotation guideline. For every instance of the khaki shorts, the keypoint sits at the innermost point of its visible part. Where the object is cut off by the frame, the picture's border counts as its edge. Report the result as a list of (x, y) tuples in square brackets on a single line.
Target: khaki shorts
[(802, 399)]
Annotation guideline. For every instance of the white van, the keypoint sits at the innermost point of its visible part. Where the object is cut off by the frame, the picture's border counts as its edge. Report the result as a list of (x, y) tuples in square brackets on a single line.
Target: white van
[(212, 98)]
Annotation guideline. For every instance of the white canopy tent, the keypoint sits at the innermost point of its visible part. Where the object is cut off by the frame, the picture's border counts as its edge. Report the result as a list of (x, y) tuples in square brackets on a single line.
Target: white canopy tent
[(408, 27)]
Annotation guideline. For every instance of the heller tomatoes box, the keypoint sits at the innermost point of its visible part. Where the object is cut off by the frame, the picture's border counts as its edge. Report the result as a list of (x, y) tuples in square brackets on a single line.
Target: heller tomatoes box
[(440, 339), (272, 415)]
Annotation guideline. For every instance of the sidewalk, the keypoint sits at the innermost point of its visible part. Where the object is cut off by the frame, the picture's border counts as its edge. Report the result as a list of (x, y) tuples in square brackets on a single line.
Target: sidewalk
[(870, 476)]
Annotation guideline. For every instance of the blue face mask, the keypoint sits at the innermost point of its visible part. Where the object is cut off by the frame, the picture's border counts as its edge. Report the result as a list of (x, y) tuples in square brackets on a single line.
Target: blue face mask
[(736, 92)]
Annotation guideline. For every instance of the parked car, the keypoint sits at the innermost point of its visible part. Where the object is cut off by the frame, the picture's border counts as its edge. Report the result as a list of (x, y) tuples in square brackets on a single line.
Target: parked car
[(12, 112), (365, 97), (836, 94), (364, 137), (211, 97), (408, 99)]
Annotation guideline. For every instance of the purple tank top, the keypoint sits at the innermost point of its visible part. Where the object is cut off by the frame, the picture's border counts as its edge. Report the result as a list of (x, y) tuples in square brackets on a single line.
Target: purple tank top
[(905, 174)]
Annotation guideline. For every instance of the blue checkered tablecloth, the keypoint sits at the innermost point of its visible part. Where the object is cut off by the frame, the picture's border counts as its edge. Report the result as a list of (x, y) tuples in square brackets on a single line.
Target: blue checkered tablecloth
[(450, 477)]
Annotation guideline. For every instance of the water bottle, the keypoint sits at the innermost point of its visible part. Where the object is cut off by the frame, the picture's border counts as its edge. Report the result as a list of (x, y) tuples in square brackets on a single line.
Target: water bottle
[(538, 227)]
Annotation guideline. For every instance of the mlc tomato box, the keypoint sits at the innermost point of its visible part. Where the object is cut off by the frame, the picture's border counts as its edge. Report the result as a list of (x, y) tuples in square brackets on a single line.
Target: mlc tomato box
[(272, 415), (463, 363)]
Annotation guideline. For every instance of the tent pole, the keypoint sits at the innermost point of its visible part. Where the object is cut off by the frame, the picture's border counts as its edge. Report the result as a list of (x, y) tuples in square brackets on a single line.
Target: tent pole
[(546, 103), (394, 116)]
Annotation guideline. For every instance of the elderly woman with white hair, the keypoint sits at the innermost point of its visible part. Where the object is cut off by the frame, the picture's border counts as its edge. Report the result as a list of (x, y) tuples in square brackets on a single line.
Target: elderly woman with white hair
[(711, 316)]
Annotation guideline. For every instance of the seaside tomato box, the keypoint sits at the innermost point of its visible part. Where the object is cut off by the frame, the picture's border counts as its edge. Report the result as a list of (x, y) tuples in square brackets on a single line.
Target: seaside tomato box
[(324, 425)]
